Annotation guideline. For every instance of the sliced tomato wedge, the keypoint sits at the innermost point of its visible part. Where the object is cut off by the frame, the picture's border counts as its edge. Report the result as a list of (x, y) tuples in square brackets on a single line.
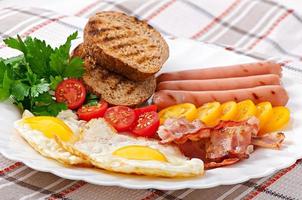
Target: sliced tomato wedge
[(72, 92), (122, 118), (142, 110), (88, 112), (147, 124)]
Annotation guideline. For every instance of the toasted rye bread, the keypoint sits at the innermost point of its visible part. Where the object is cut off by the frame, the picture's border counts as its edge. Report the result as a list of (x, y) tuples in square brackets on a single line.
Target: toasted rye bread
[(125, 45), (113, 88), (116, 89)]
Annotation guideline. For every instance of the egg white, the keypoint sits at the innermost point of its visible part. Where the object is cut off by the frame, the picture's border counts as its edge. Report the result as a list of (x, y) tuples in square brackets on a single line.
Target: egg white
[(98, 141), (48, 147)]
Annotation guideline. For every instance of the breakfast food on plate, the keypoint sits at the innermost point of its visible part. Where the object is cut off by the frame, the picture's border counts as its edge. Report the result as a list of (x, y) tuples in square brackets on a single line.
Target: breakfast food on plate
[(258, 82), (224, 144), (223, 134), (275, 94), (220, 84), (125, 45), (104, 148), (114, 88), (210, 114), (40, 131), (208, 117), (241, 70)]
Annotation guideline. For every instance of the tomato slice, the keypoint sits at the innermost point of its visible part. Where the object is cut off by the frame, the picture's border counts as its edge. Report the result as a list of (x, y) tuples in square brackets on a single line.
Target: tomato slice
[(186, 110), (72, 92), (147, 124), (209, 113), (280, 117), (245, 110), (122, 118), (228, 110), (139, 111), (88, 112), (264, 112)]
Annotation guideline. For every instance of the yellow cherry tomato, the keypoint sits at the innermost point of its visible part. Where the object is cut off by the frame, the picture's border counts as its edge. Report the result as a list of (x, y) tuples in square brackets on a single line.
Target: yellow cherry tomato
[(228, 110), (186, 110), (264, 112), (277, 121), (209, 113), (245, 110)]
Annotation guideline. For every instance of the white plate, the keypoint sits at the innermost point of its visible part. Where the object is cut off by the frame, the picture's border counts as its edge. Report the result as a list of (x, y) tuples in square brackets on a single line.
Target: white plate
[(184, 54)]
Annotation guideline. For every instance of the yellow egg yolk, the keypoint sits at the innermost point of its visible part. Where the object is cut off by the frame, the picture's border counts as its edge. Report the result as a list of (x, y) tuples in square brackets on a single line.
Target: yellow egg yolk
[(140, 153), (50, 126)]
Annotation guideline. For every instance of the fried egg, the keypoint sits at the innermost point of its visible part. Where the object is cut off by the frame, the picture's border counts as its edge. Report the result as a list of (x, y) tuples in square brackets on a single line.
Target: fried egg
[(40, 131), (99, 143)]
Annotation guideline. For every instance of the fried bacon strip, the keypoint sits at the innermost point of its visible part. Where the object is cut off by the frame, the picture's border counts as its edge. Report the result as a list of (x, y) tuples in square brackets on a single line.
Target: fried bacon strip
[(224, 144), (269, 140), (228, 161), (176, 129)]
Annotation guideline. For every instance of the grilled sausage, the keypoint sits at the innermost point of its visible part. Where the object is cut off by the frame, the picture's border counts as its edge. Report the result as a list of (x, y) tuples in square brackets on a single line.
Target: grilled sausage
[(250, 69), (220, 84), (275, 94)]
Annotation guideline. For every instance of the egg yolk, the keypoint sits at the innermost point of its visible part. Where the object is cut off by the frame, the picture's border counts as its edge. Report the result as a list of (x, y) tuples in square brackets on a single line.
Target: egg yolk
[(50, 126), (140, 153)]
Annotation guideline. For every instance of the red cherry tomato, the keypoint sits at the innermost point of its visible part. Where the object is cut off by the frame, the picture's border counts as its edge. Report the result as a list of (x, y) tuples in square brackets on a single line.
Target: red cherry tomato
[(88, 112), (139, 111), (72, 92), (121, 118), (147, 124)]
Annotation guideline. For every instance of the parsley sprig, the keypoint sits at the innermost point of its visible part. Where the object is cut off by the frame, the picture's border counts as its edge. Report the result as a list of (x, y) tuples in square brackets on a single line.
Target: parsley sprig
[(31, 78)]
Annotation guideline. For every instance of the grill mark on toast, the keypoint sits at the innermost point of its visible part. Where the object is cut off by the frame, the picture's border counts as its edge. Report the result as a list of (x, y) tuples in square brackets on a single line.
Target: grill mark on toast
[(144, 59), (151, 47), (125, 38), (133, 53), (117, 36), (123, 45), (114, 37), (129, 42)]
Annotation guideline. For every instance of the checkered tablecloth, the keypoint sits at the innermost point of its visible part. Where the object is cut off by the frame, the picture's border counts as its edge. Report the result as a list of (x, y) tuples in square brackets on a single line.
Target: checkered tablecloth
[(258, 28)]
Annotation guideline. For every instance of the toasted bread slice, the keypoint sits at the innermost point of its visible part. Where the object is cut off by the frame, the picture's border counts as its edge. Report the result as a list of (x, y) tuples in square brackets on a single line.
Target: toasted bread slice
[(125, 45), (113, 88), (116, 89), (79, 51)]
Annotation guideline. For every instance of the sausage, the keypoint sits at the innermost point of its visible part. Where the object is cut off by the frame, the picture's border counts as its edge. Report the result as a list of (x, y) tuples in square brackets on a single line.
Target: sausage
[(275, 94), (220, 84), (249, 69)]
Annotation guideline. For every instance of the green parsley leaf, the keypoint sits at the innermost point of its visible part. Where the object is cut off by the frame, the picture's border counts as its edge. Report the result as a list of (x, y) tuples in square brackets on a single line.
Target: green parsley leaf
[(36, 53), (31, 78), (38, 56), (59, 59), (39, 88), (54, 82), (20, 90), (75, 68), (43, 99), (14, 60), (55, 108), (52, 109), (16, 43), (2, 71), (5, 86)]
